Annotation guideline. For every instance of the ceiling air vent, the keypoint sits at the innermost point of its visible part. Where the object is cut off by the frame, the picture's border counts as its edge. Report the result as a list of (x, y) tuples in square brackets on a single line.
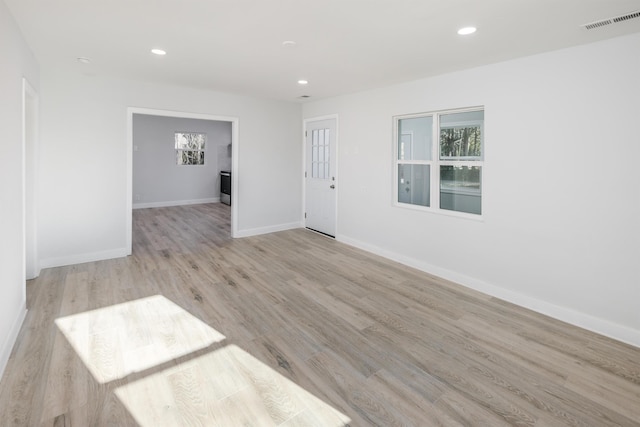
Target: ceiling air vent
[(626, 17), (609, 21), (598, 24)]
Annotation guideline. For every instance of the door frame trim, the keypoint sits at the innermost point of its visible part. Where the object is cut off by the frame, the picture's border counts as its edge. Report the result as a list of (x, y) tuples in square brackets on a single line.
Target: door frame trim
[(305, 122), (235, 126), (30, 152)]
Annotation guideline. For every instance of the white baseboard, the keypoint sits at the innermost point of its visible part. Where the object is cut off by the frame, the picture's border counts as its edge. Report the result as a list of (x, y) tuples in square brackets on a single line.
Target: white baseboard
[(82, 258), (7, 346), (583, 320), (175, 203), (266, 230)]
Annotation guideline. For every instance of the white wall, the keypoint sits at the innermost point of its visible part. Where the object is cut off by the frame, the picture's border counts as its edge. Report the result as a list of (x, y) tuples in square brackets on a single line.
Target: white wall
[(158, 180), (16, 62), (561, 202), (83, 172)]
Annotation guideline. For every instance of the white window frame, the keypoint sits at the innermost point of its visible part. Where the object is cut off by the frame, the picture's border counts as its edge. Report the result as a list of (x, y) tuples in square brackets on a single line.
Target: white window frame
[(435, 162)]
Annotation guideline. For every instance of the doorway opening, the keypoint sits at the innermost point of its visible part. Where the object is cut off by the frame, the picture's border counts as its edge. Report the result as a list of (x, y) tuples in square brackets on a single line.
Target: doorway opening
[(188, 158)]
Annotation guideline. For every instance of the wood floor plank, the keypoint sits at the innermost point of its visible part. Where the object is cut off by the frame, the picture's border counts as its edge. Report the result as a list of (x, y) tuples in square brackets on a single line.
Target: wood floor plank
[(294, 329)]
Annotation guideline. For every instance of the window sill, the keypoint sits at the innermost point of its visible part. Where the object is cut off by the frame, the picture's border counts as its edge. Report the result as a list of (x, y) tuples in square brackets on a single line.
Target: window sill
[(437, 211)]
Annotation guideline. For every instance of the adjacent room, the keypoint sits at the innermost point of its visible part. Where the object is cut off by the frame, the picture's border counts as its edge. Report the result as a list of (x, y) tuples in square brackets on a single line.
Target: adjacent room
[(179, 161), (331, 213)]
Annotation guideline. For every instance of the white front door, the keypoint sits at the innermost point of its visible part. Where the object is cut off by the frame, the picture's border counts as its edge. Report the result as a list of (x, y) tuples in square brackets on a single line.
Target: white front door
[(320, 176)]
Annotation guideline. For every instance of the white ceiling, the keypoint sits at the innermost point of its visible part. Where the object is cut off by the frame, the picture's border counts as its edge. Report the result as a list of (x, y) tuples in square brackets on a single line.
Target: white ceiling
[(342, 46)]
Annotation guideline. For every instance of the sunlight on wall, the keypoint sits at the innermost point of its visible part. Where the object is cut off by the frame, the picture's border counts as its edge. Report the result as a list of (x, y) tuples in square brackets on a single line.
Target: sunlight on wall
[(121, 339), (226, 387)]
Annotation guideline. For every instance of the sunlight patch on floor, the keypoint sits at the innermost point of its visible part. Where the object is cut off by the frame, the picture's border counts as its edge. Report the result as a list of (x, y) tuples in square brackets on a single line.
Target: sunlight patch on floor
[(227, 387), (121, 339)]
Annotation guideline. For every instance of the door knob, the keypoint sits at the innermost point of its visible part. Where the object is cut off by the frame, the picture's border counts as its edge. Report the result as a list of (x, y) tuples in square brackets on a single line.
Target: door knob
[(332, 186)]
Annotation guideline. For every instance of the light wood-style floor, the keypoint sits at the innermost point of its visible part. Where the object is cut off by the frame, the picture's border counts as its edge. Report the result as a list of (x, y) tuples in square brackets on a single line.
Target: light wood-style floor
[(294, 329)]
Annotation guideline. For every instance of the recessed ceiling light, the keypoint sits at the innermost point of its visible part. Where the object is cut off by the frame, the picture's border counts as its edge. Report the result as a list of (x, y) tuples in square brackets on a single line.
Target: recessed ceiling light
[(83, 60), (288, 43), (158, 52), (303, 82), (466, 31)]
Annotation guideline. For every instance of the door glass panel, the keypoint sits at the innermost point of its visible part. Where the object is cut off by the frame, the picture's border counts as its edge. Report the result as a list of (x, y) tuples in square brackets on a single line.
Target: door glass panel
[(320, 153), (327, 154)]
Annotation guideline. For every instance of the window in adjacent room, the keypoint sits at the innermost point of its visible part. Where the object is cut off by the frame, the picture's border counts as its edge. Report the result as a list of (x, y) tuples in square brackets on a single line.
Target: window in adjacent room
[(190, 148), (439, 161)]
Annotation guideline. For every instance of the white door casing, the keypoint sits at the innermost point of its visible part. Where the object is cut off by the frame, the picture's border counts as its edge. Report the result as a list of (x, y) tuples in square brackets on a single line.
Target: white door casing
[(320, 175), (235, 150), (30, 119)]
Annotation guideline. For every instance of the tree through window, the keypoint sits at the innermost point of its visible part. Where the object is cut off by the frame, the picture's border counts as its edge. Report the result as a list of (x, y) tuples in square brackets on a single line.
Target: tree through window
[(190, 148)]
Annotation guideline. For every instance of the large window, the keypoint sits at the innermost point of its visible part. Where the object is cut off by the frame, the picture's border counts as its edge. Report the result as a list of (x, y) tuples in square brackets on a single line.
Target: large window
[(439, 160), (190, 148)]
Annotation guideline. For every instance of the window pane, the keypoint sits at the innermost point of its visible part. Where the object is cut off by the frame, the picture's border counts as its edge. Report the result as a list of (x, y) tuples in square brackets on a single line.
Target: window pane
[(198, 141), (181, 141), (414, 184), (461, 135), (460, 188), (415, 138), (188, 157), (190, 141)]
